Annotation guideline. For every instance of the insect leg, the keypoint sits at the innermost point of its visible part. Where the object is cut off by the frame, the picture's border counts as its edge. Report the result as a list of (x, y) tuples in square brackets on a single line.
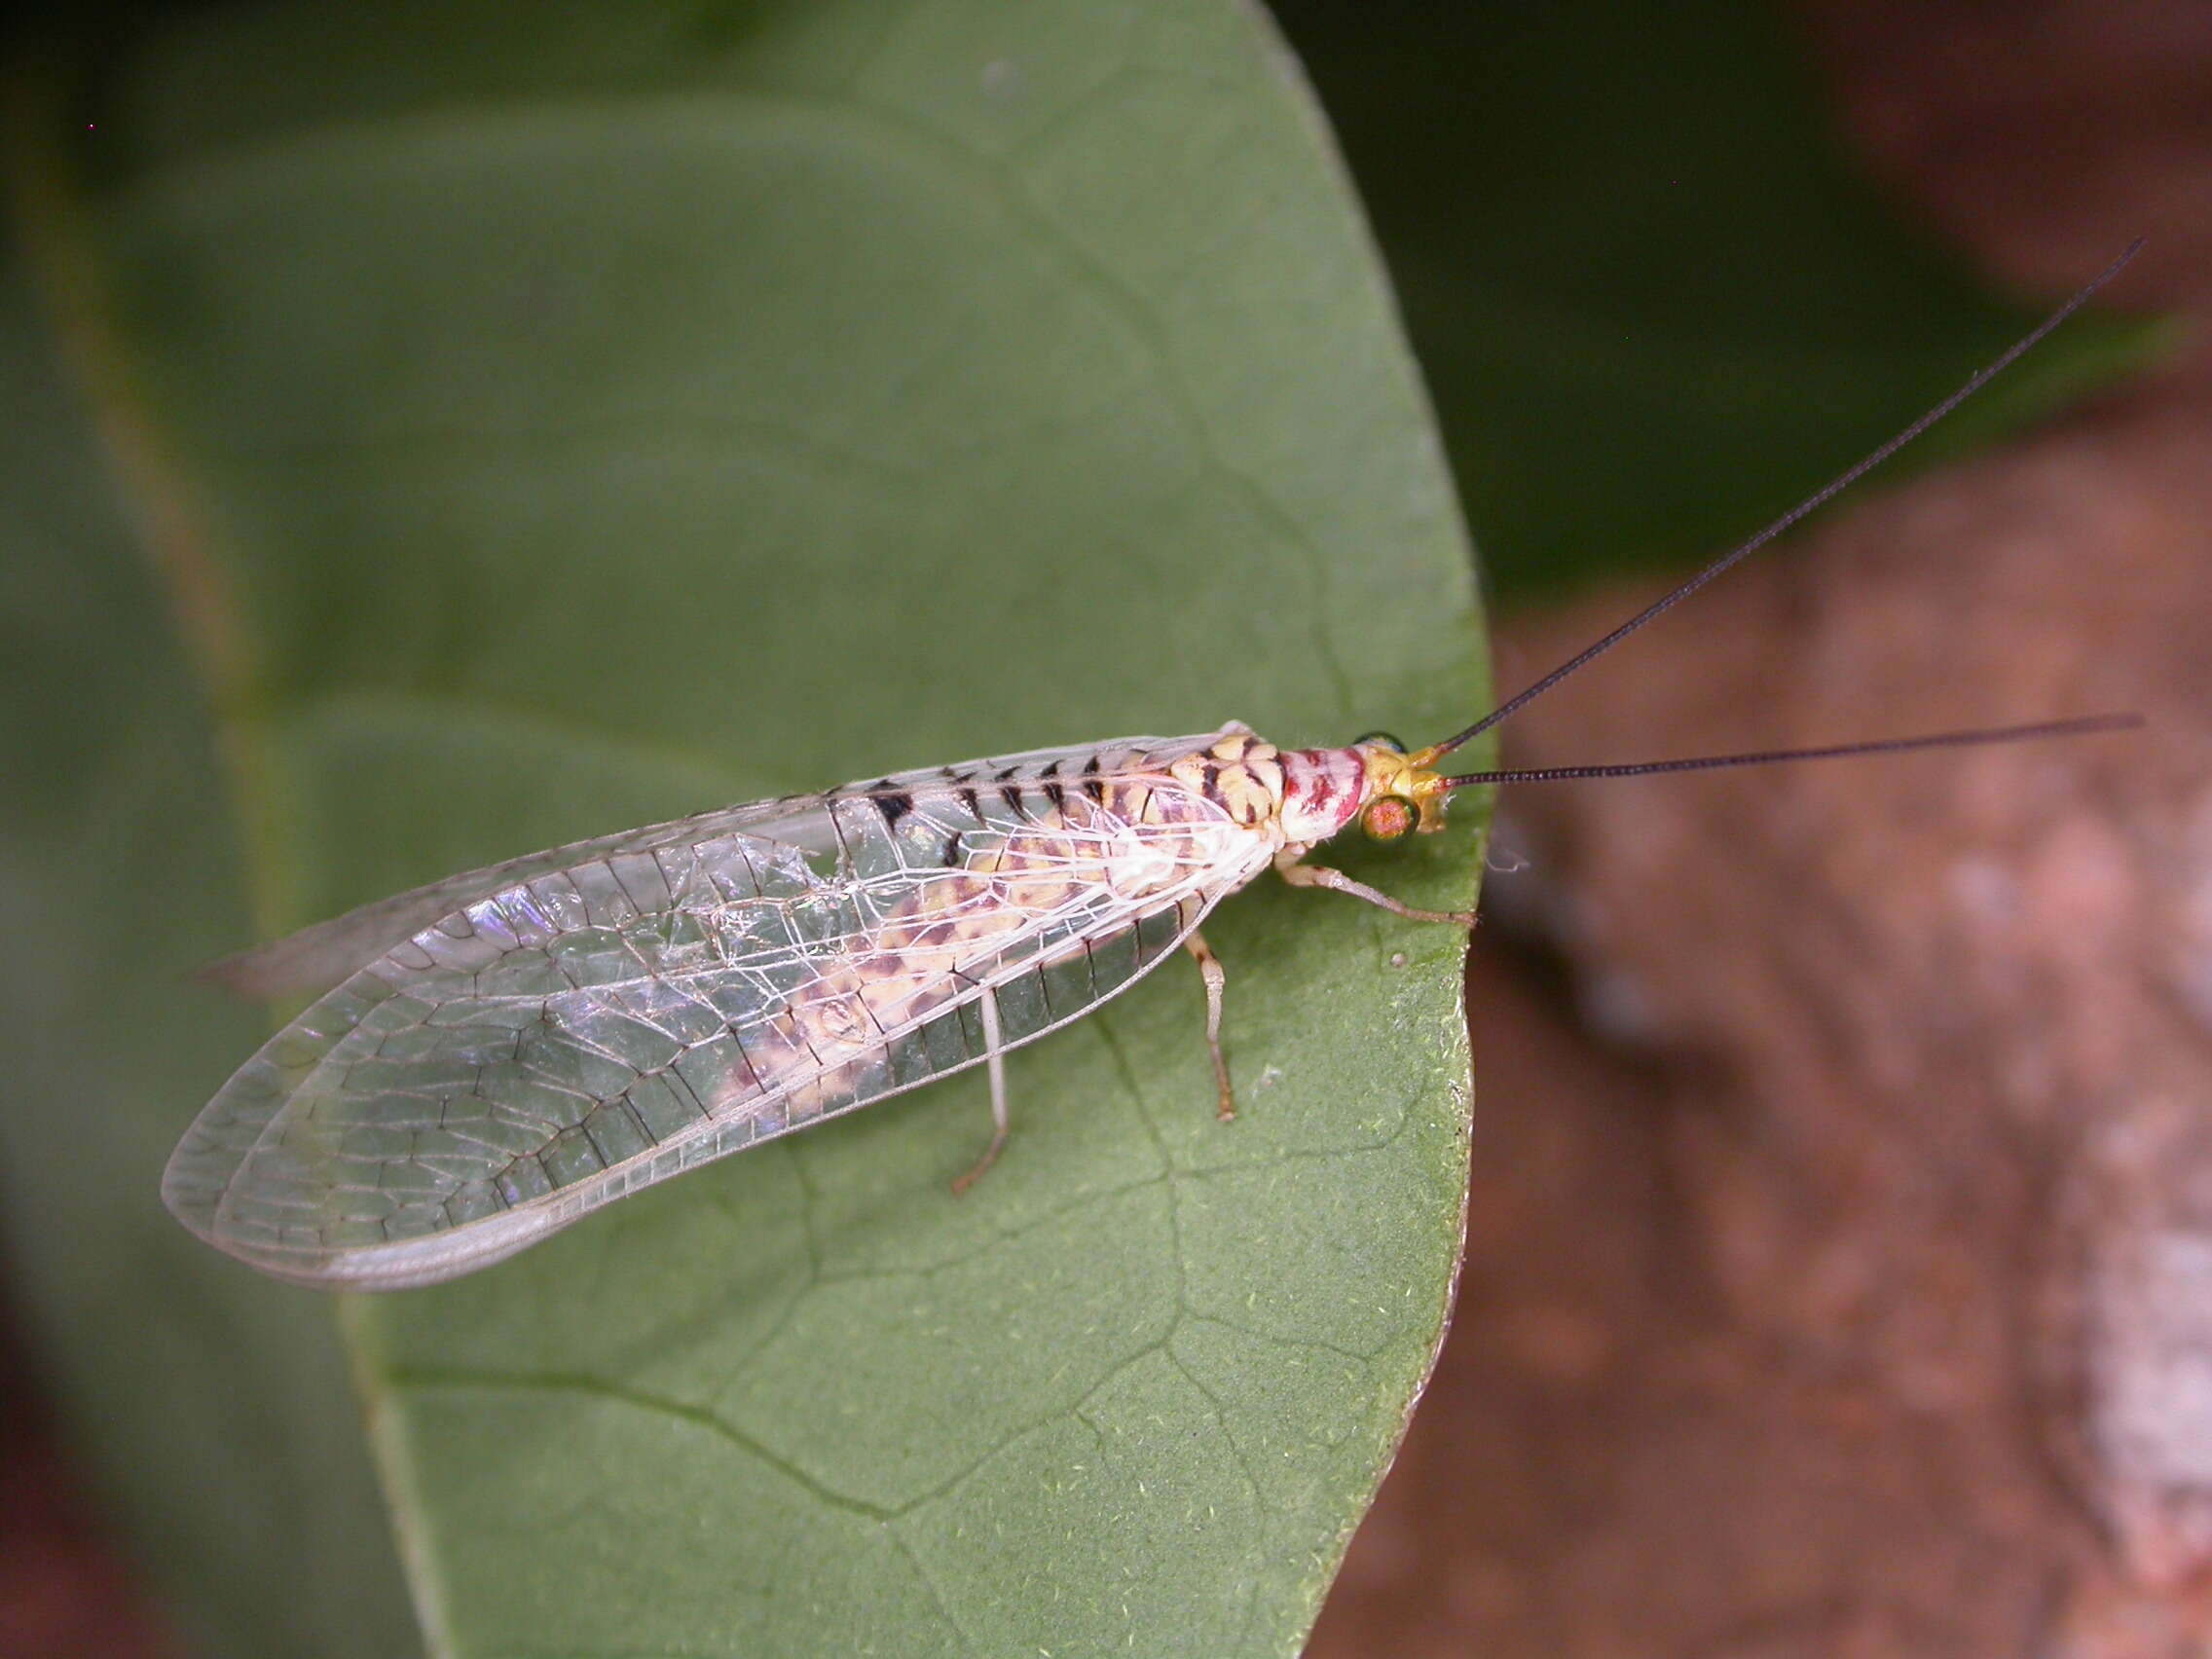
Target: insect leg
[(1211, 970), (1320, 875), (994, 1062)]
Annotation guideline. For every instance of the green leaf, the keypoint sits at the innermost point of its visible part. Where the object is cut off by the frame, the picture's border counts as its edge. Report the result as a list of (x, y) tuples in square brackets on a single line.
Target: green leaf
[(1653, 303), (531, 421)]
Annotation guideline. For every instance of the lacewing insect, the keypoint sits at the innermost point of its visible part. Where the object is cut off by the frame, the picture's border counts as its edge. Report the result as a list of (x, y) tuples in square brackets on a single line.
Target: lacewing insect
[(497, 1054)]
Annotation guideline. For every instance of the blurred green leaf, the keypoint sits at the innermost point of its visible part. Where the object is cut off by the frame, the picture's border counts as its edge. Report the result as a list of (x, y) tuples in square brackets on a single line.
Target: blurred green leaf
[(538, 421), (1654, 305), (218, 1418)]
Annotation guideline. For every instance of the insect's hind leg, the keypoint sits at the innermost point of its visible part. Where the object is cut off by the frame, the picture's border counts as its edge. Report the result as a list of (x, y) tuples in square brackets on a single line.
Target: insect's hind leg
[(994, 1063), (1320, 875), (1216, 978)]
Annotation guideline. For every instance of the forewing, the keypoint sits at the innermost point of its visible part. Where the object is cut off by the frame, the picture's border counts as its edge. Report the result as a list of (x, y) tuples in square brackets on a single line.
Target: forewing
[(317, 958), (313, 960), (595, 1028)]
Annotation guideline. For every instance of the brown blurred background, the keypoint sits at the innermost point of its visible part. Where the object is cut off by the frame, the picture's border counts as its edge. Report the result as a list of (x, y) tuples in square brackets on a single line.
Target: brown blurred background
[(1839, 1269), (1839, 1265)]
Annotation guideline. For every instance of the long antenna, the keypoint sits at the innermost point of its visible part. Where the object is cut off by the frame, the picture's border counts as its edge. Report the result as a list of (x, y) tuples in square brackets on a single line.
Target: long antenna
[(1811, 504), (2084, 726)]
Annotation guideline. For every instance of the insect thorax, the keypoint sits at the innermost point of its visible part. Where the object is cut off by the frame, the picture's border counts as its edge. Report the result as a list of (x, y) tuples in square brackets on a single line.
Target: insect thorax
[(1323, 790)]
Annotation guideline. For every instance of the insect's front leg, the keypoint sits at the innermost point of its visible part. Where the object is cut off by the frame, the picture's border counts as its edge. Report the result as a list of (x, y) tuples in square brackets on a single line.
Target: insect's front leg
[(1320, 875)]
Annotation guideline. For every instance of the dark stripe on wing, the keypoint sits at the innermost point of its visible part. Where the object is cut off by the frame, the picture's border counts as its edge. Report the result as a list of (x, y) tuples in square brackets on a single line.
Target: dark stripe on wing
[(891, 801)]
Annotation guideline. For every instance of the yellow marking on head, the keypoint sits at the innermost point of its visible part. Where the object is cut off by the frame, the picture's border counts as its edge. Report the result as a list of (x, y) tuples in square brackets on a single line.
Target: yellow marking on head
[(1409, 778)]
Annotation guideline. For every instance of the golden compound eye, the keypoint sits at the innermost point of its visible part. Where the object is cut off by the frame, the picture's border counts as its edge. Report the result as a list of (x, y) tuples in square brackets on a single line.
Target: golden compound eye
[(1388, 817), (1380, 739)]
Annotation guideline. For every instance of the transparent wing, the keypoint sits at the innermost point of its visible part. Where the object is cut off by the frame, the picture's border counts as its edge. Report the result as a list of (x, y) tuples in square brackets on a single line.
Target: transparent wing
[(588, 1030), (313, 960)]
